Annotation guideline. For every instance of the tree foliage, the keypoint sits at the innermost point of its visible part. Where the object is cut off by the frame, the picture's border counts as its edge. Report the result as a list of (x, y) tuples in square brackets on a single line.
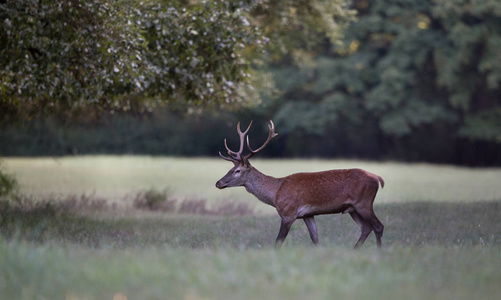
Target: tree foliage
[(412, 66), (66, 54), (298, 29), (62, 56), (201, 53)]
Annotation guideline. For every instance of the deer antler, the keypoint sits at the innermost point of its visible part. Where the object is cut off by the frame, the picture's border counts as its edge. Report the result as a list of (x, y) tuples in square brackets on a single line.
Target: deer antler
[(271, 134), (237, 156)]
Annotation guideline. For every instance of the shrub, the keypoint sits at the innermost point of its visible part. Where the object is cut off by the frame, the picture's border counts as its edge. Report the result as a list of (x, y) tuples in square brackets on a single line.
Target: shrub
[(8, 186), (154, 199)]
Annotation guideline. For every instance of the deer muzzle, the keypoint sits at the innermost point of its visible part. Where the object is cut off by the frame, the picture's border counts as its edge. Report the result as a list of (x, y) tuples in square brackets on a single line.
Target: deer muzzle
[(220, 185)]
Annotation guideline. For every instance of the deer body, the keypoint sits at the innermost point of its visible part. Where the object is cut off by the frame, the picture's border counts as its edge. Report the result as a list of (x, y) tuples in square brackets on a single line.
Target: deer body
[(304, 195), (328, 192)]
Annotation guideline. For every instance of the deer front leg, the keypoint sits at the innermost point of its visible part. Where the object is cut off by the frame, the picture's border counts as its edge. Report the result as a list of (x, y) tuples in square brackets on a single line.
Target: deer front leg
[(312, 228), (285, 226)]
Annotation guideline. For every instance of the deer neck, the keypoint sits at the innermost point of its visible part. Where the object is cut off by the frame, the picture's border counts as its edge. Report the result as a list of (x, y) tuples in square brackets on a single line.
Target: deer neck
[(262, 186)]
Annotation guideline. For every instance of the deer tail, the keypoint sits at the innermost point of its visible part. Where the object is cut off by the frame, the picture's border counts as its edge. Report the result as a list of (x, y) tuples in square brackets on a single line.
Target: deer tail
[(381, 181)]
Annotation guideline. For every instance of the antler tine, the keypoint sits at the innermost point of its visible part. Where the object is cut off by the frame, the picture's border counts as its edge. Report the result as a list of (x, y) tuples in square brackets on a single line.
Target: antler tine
[(228, 149), (242, 137), (236, 156), (227, 158), (271, 135)]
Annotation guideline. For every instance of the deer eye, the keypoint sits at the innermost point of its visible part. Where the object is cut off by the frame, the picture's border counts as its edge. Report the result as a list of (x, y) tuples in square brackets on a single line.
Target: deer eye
[(237, 171)]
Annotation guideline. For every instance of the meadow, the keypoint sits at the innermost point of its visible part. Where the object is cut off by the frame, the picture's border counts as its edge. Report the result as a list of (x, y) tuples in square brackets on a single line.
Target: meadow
[(442, 234)]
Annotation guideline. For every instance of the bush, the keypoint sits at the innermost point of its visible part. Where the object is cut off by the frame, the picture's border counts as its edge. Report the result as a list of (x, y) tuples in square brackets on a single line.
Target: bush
[(154, 199), (8, 186)]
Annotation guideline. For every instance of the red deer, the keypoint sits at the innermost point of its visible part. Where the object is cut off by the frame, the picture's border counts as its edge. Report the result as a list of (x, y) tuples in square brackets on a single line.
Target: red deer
[(305, 195)]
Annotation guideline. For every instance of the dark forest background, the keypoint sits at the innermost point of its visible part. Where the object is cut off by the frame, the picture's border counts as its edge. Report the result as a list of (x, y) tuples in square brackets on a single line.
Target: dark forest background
[(167, 133), (407, 80)]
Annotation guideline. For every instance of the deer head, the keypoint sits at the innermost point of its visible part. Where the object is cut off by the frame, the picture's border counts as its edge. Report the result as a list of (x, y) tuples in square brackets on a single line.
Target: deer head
[(238, 175)]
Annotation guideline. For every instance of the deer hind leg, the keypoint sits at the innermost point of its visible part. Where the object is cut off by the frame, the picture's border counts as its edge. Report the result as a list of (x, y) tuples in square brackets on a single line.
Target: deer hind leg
[(365, 228), (378, 228), (285, 226), (369, 217), (312, 228)]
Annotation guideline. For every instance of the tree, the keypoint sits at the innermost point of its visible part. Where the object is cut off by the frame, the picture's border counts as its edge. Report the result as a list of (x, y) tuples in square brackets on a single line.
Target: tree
[(200, 53), (61, 56), (426, 73), (469, 66)]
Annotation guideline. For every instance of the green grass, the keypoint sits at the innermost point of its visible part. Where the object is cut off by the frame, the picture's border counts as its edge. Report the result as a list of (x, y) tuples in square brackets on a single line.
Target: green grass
[(442, 236), (296, 273), (118, 178), (431, 251)]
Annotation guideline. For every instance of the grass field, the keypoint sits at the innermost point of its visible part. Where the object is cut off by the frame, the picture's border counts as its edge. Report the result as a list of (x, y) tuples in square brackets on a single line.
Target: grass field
[(117, 178), (442, 236)]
